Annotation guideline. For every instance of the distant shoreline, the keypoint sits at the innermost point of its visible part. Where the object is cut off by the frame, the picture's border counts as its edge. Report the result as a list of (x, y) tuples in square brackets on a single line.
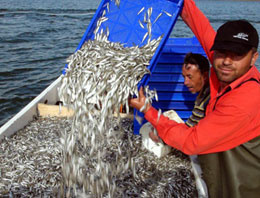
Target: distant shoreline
[(245, 0)]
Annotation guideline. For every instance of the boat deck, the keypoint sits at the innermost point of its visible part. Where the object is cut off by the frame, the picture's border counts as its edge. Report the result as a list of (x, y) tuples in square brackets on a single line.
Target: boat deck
[(31, 160)]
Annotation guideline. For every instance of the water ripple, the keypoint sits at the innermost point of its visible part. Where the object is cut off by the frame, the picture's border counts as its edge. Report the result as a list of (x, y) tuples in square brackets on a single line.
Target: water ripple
[(37, 37)]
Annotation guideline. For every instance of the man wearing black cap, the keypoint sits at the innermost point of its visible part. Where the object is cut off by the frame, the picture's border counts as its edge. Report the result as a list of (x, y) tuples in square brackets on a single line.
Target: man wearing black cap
[(227, 140)]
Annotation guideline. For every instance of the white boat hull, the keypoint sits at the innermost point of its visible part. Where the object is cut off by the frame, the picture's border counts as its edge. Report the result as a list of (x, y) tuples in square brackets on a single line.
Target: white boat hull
[(27, 114)]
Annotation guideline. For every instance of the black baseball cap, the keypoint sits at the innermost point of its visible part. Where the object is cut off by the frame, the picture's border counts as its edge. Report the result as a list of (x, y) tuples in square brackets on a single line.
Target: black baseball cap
[(237, 36)]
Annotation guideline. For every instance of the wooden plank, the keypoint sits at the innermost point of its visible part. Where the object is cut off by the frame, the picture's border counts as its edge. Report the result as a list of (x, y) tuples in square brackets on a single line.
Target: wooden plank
[(45, 110), (124, 115)]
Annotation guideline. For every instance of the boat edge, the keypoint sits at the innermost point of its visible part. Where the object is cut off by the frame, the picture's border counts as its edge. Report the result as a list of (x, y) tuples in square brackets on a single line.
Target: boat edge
[(24, 116)]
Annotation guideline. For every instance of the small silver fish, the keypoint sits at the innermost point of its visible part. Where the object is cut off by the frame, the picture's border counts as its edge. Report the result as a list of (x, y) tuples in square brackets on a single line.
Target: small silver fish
[(140, 23), (167, 13), (159, 15), (140, 11), (145, 35)]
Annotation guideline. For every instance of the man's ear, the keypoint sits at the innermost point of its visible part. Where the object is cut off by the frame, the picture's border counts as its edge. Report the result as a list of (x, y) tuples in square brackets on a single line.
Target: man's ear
[(254, 58), (206, 75)]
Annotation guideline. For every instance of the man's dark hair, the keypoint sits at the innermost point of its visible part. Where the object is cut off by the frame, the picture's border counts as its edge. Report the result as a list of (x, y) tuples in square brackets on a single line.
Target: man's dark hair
[(197, 59)]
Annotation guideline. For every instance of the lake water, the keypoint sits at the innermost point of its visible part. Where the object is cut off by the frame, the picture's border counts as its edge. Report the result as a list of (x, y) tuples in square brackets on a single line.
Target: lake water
[(37, 36)]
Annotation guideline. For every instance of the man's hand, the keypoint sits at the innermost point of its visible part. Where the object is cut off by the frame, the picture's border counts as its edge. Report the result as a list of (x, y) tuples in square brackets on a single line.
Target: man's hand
[(154, 137), (139, 102)]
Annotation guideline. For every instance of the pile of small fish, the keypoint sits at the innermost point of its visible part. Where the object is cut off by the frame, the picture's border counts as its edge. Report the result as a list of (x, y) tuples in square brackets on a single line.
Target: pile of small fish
[(98, 156), (31, 160), (100, 77)]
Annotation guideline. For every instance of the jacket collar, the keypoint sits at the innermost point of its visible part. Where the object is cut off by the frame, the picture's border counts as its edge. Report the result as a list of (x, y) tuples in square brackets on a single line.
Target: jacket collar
[(252, 73)]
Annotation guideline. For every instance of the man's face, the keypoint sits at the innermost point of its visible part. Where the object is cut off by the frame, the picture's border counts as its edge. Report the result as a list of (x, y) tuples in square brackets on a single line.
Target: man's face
[(193, 78), (230, 66)]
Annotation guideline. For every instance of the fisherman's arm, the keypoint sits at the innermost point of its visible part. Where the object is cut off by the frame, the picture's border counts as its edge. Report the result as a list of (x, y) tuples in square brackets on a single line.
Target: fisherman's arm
[(199, 25), (220, 130)]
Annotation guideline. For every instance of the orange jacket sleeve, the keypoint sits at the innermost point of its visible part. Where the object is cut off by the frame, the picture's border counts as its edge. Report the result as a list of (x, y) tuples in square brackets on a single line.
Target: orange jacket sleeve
[(218, 131), (199, 25)]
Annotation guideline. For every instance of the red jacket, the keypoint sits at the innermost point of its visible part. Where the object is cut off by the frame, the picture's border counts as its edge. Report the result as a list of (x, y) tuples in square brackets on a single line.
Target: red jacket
[(232, 117)]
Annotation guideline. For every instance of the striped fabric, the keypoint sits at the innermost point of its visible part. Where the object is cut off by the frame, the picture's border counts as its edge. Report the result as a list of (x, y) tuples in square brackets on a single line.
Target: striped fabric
[(199, 109)]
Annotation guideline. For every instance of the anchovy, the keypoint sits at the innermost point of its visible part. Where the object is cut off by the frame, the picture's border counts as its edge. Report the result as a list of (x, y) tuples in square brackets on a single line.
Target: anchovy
[(149, 12), (140, 23), (159, 15), (107, 6), (117, 2), (104, 13), (145, 35), (167, 13), (140, 11)]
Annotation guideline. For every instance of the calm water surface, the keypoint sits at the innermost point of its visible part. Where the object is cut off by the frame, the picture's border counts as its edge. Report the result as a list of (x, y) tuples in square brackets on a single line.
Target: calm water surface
[(37, 36)]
